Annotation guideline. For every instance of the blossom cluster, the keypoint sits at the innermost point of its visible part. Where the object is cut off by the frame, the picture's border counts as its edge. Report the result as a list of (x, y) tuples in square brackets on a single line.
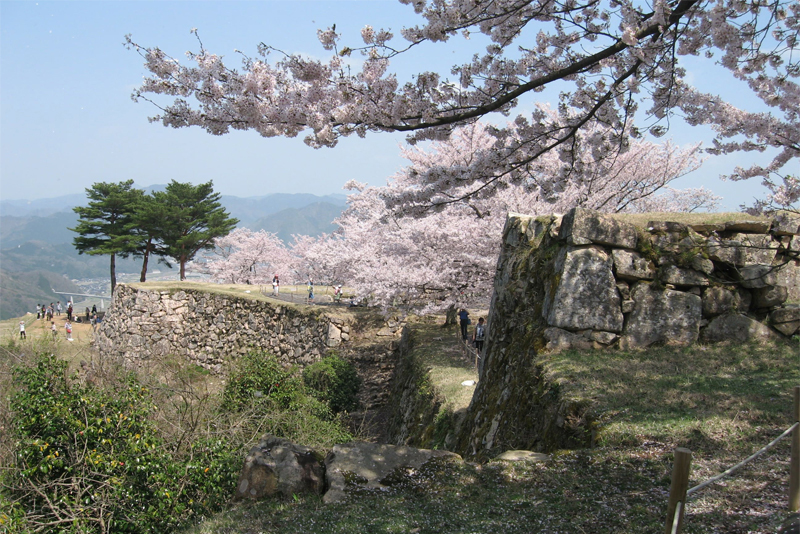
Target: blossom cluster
[(606, 58)]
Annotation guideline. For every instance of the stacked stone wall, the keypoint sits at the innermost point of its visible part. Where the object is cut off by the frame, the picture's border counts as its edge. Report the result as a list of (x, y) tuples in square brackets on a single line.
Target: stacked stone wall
[(209, 329), (587, 281)]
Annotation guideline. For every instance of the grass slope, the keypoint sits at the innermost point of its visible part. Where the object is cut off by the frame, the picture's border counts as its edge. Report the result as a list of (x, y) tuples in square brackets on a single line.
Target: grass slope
[(722, 402)]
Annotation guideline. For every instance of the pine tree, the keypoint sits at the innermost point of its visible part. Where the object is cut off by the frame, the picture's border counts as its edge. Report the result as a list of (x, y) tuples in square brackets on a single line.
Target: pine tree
[(104, 225), (195, 218)]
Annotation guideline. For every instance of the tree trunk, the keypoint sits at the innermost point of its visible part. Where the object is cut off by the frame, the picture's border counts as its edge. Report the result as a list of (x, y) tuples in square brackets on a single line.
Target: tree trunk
[(145, 259), (113, 272), (450, 316), (183, 269)]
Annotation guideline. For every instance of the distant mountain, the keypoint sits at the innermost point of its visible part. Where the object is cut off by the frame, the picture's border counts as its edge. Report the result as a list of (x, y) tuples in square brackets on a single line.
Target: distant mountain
[(21, 292), (53, 229), (312, 220), (250, 210), (41, 207), (246, 209), (63, 259)]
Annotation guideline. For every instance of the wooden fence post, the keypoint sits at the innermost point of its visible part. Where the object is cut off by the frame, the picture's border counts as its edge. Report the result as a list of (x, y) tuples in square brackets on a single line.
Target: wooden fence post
[(794, 465), (677, 491)]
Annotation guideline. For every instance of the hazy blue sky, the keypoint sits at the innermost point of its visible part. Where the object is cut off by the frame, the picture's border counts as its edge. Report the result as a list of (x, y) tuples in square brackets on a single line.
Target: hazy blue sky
[(67, 120)]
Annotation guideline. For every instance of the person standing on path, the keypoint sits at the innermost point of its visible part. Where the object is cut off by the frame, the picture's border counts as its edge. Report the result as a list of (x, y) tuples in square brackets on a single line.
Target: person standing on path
[(463, 319), (53, 329), (68, 328), (22, 334), (479, 335)]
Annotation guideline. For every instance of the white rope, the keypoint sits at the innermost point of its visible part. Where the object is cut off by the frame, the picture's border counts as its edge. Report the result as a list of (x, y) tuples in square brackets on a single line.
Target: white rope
[(743, 462), (676, 517)]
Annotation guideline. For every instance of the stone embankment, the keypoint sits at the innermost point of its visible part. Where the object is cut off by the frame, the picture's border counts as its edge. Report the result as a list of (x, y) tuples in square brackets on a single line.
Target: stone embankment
[(210, 329), (587, 281)]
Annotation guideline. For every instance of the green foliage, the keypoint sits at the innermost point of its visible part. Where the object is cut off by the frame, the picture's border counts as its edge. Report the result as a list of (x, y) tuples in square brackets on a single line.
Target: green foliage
[(104, 226), (277, 402), (196, 219), (90, 459), (335, 381), (259, 376)]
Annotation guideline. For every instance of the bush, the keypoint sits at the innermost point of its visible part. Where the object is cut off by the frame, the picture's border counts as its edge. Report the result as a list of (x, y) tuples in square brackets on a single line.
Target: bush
[(274, 400), (90, 459), (257, 376), (334, 380)]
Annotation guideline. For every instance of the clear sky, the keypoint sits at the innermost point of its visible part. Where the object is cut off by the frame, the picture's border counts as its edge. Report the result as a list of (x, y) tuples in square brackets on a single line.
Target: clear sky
[(67, 119)]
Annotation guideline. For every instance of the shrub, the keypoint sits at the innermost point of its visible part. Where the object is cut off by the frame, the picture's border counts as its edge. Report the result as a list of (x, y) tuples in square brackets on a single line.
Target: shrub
[(259, 376), (90, 459), (335, 381)]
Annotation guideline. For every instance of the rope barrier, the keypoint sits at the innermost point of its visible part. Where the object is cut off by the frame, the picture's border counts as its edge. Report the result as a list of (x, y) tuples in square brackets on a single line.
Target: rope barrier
[(743, 462), (676, 516)]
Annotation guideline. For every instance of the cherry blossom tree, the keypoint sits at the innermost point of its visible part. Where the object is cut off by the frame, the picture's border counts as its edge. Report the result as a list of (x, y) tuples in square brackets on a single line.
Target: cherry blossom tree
[(246, 257), (447, 256), (617, 65)]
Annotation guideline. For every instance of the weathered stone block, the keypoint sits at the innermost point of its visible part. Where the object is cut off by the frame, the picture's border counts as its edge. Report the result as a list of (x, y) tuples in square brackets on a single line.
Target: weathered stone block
[(586, 294), (278, 466), (584, 227), (373, 466), (758, 276), (786, 224), (672, 274), (726, 251), (736, 328), (748, 226), (630, 265), (757, 248), (558, 340), (719, 300), (662, 316), (770, 296), (785, 320)]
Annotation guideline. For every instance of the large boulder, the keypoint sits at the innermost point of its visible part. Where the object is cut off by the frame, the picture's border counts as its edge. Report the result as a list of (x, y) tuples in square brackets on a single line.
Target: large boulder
[(276, 466), (585, 296), (373, 466), (584, 227), (736, 328), (661, 316)]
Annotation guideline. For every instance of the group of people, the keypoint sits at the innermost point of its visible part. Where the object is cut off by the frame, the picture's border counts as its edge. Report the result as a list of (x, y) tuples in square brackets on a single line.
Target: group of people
[(45, 312), (478, 335)]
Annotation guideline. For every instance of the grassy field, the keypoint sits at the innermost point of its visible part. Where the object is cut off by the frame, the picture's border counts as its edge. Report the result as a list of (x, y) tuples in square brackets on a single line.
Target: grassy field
[(721, 402)]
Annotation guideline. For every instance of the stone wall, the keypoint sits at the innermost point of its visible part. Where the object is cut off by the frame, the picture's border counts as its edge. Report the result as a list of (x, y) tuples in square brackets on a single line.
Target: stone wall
[(588, 281), (208, 329)]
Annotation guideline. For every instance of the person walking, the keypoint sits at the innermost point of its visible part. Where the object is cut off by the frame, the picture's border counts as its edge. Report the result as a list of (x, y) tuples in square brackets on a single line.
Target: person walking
[(276, 284), (463, 320), (54, 330), (479, 335), (68, 328), (22, 334)]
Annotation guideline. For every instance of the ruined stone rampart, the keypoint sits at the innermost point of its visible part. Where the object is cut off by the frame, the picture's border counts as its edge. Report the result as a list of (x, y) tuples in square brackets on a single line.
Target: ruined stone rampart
[(588, 281), (208, 329)]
